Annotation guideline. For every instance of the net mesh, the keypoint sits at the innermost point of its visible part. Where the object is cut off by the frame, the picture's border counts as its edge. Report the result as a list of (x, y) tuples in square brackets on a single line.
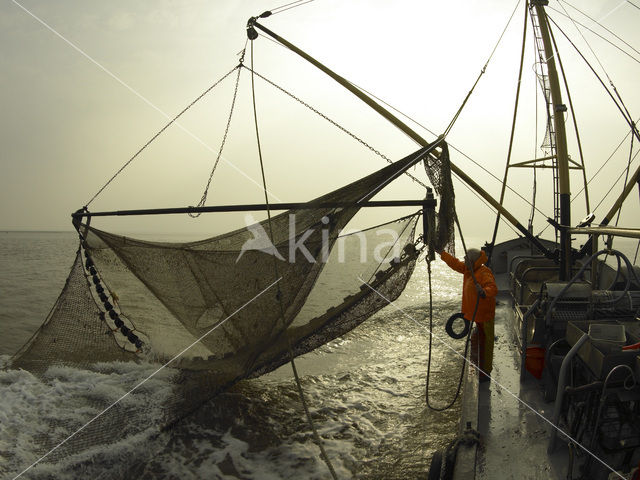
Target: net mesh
[(222, 309), (441, 227)]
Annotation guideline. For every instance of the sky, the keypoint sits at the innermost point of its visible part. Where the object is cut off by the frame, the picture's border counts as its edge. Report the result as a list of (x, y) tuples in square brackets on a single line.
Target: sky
[(85, 84)]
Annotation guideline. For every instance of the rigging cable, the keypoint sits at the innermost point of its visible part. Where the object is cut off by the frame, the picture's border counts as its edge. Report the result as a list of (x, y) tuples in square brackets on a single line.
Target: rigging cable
[(484, 69), (333, 122), (289, 6), (635, 258), (595, 209), (565, 14), (464, 356), (476, 163), (316, 435), (613, 185), (626, 177), (625, 113), (607, 160), (513, 129), (575, 121), (425, 128), (126, 164), (601, 26), (598, 171), (630, 119), (535, 152)]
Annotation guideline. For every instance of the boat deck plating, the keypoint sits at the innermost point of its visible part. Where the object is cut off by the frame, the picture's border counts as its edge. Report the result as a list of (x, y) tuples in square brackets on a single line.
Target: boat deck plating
[(513, 418)]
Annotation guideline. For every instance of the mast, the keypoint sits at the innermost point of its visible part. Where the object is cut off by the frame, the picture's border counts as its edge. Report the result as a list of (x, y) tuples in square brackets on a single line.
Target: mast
[(397, 123), (562, 156)]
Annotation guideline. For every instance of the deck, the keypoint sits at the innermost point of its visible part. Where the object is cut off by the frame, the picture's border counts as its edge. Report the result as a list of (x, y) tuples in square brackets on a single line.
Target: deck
[(511, 416)]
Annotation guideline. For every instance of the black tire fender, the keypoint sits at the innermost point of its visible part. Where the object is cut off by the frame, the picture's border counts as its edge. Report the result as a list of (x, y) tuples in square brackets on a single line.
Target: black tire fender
[(436, 466), (449, 327)]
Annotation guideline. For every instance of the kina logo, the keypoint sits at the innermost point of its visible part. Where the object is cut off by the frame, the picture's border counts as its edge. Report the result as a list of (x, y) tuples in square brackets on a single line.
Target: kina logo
[(296, 247), (260, 240)]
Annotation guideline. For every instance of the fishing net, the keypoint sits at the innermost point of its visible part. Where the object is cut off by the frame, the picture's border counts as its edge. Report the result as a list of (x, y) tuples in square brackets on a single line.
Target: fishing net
[(441, 227), (222, 309)]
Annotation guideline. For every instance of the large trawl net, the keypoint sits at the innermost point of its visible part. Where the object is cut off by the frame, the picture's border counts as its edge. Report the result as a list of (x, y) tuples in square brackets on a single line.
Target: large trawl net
[(233, 295), (221, 309)]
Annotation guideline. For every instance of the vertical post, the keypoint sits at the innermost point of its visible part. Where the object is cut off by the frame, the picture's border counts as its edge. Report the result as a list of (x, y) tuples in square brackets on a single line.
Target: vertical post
[(428, 222), (595, 277), (562, 155)]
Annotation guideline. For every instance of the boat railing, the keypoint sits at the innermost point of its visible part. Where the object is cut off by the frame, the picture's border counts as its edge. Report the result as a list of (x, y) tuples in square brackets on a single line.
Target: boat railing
[(520, 258), (517, 266), (528, 274), (530, 282)]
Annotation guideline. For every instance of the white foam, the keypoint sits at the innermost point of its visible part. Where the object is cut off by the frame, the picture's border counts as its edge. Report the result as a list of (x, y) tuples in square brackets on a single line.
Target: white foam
[(68, 398)]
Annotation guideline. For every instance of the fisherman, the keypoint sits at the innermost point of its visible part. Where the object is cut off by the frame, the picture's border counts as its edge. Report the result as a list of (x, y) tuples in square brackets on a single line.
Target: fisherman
[(479, 292)]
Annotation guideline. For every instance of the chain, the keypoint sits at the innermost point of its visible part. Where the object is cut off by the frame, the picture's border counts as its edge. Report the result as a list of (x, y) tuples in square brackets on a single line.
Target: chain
[(334, 123), (126, 164), (224, 139)]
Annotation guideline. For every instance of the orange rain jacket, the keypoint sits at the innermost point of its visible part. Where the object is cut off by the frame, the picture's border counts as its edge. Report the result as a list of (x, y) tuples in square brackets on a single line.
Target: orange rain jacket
[(486, 306)]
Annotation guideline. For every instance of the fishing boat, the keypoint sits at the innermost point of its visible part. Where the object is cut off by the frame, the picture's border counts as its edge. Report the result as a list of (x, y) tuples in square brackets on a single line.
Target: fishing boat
[(569, 322), (233, 306), (564, 396)]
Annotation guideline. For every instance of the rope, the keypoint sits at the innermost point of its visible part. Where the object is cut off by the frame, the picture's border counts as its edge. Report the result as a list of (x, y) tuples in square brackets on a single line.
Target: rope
[(126, 164), (466, 349), (588, 44), (489, 206), (316, 435), (224, 139), (467, 341), (457, 114)]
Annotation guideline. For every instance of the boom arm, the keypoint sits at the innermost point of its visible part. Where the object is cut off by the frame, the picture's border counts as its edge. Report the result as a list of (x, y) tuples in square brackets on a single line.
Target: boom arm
[(400, 125)]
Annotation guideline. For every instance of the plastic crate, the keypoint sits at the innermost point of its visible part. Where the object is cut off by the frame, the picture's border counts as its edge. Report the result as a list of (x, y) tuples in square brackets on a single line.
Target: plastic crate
[(607, 337)]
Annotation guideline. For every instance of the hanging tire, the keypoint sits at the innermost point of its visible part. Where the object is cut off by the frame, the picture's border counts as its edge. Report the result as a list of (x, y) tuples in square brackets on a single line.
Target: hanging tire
[(449, 327), (436, 466)]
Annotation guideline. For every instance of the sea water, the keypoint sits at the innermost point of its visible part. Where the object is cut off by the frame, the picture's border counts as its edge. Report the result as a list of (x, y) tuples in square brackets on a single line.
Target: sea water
[(365, 391)]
